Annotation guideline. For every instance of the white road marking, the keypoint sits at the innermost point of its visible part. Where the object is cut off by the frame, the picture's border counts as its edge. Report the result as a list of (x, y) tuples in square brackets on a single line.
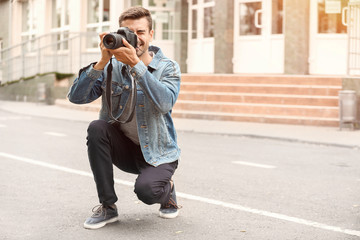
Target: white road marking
[(55, 134), (197, 198), (2, 125), (14, 118), (253, 164)]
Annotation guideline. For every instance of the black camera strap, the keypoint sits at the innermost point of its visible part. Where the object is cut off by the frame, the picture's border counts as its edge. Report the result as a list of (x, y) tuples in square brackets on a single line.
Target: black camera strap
[(128, 112)]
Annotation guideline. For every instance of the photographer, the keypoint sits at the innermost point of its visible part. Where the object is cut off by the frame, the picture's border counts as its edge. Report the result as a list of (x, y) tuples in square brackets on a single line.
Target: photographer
[(145, 142)]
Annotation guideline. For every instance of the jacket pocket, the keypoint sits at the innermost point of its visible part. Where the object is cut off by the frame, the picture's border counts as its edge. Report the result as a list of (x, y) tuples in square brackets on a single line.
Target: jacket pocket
[(116, 93)]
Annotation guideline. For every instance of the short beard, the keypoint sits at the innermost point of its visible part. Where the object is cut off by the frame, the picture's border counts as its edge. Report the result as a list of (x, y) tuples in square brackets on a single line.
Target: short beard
[(139, 52)]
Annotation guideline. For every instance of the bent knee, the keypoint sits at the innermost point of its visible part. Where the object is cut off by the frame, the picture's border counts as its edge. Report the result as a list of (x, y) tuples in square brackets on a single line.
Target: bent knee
[(96, 127), (145, 192)]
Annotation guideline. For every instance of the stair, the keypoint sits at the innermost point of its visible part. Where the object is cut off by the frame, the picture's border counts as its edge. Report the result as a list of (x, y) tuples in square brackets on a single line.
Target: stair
[(303, 100)]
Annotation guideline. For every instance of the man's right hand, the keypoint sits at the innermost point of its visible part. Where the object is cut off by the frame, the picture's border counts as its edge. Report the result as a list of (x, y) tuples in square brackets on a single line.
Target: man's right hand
[(105, 54)]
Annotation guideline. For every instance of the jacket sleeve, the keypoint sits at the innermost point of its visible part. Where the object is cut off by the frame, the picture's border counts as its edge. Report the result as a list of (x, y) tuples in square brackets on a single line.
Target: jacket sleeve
[(87, 86), (162, 92)]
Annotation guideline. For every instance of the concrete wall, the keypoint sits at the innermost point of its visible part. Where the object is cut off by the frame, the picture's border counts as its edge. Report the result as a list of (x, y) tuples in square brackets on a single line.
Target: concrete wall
[(224, 36), (296, 34), (38, 89)]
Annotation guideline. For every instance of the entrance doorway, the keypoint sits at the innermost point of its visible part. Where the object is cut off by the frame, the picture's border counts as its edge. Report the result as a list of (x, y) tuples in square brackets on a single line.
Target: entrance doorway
[(201, 36), (328, 37), (258, 36)]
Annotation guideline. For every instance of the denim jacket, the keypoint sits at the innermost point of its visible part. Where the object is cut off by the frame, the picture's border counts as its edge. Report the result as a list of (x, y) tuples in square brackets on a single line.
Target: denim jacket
[(158, 87)]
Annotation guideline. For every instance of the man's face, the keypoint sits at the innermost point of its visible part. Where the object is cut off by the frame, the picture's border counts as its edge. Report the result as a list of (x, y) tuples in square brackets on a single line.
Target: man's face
[(141, 29)]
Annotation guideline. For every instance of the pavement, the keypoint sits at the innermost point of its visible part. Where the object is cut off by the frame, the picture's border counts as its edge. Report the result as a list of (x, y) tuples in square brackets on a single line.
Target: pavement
[(331, 136)]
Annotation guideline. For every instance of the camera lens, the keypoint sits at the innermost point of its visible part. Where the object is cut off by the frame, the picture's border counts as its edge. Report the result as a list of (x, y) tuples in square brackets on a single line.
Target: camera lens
[(112, 41)]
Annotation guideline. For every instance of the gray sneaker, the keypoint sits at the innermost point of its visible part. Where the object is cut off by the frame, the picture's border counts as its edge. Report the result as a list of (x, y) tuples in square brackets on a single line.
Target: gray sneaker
[(102, 215), (170, 209)]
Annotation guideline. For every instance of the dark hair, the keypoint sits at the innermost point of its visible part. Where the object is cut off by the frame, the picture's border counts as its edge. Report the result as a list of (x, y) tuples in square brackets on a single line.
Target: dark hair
[(136, 13)]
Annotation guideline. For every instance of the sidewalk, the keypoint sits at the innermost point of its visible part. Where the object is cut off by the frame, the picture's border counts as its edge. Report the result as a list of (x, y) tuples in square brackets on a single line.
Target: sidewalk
[(307, 134)]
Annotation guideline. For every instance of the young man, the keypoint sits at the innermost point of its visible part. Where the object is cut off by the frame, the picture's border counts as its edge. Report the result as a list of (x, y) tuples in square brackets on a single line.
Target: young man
[(147, 144)]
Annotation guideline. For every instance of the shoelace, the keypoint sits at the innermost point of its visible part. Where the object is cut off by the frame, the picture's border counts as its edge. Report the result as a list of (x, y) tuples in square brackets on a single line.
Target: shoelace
[(172, 204), (99, 211)]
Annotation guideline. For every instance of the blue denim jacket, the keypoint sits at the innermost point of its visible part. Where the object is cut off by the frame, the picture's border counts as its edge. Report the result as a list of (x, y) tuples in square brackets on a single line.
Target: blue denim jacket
[(158, 87)]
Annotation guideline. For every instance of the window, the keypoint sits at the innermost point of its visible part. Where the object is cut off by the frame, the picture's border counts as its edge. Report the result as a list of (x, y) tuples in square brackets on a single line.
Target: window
[(194, 24), (163, 24), (60, 23), (208, 22), (277, 17), (249, 13), (329, 16), (98, 16), (28, 24), (136, 3), (202, 14)]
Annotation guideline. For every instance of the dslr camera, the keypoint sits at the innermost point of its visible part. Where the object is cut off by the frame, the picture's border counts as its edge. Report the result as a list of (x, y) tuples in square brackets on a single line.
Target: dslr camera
[(113, 40)]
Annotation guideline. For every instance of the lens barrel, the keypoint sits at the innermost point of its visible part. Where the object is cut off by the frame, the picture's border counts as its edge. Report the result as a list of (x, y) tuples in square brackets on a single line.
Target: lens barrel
[(113, 41)]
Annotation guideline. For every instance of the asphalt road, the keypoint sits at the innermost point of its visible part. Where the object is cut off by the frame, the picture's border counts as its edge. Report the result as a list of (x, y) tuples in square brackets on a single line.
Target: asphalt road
[(230, 188)]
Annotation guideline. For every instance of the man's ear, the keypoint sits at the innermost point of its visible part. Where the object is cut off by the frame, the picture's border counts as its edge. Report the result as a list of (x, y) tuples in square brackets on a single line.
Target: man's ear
[(151, 35)]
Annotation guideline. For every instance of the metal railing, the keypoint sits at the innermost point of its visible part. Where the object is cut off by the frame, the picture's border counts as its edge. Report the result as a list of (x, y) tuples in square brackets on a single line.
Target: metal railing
[(45, 54), (353, 39)]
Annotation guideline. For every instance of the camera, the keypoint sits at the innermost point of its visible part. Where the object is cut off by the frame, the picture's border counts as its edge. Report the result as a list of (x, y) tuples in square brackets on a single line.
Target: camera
[(113, 40)]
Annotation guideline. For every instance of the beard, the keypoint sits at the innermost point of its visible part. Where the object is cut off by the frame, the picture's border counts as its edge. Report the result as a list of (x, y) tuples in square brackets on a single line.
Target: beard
[(139, 51)]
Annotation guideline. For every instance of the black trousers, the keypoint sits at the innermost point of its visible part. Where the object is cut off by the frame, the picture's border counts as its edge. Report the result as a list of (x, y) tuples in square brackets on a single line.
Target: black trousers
[(108, 146)]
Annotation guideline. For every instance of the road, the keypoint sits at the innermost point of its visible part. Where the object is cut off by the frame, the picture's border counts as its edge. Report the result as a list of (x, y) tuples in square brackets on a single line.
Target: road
[(230, 188)]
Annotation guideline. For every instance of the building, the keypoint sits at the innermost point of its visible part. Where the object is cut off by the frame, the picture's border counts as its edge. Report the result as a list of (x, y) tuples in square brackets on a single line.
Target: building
[(204, 36), (281, 61)]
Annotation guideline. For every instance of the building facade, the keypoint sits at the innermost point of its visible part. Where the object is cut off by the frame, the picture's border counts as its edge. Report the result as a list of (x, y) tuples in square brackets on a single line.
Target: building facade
[(204, 36)]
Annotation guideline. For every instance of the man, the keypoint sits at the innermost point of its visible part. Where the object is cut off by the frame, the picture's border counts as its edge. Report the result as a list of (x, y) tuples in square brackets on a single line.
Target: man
[(147, 145)]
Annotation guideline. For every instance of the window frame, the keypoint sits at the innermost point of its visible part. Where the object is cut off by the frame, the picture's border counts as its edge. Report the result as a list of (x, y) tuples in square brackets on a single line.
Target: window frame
[(199, 7), (100, 25), (63, 29)]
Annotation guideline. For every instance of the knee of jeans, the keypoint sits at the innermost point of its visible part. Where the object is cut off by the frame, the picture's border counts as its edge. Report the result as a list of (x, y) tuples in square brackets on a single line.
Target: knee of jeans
[(96, 127), (145, 192)]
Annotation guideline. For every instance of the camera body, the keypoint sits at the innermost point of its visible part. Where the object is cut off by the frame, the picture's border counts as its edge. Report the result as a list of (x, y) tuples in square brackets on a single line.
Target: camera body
[(113, 40)]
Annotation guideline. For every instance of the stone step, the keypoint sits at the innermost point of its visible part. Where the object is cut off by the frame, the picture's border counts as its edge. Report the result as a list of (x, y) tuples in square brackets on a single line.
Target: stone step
[(265, 79), (317, 90), (258, 109), (285, 99), (331, 122)]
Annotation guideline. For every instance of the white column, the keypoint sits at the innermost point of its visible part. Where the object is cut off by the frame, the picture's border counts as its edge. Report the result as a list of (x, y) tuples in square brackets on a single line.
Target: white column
[(116, 8)]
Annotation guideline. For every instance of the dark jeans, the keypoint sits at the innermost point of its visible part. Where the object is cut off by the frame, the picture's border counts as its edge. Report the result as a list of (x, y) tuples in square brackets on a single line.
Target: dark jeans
[(108, 146)]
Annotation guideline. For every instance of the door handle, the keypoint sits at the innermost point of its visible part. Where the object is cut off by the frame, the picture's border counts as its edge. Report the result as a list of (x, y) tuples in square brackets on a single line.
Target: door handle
[(344, 13), (256, 19)]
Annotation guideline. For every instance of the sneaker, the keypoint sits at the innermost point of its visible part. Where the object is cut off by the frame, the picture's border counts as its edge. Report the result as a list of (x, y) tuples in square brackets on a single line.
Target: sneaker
[(170, 209), (102, 215)]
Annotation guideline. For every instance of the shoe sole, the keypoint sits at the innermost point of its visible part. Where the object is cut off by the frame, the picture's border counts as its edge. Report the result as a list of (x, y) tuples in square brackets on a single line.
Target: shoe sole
[(169, 215), (101, 224)]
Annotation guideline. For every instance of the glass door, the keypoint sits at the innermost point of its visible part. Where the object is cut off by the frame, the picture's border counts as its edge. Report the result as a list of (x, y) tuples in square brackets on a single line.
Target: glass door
[(258, 36), (328, 37), (201, 36)]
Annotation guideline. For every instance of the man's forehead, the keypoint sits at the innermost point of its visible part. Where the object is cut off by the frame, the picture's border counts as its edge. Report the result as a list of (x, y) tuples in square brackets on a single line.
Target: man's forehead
[(136, 24)]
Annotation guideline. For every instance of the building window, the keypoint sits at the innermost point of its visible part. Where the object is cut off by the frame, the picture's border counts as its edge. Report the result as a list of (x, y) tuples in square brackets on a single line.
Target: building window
[(60, 23), (208, 22), (277, 16), (202, 15), (330, 16), (136, 3), (29, 25), (194, 24), (97, 20), (249, 14), (163, 23)]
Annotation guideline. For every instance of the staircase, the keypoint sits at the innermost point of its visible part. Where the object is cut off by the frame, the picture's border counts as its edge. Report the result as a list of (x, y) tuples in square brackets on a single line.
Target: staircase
[(285, 99)]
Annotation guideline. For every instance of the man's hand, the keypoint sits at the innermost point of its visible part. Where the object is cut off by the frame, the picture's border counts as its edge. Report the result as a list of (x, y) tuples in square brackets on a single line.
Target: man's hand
[(105, 54), (126, 55)]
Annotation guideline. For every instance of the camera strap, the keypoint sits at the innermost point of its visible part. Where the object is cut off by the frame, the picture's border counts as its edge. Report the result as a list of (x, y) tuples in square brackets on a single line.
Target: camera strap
[(128, 110)]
